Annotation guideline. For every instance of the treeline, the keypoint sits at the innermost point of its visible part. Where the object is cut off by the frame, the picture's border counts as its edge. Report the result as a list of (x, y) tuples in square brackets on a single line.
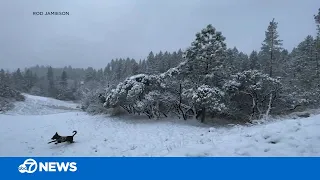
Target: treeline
[(216, 81), (73, 83), (9, 92)]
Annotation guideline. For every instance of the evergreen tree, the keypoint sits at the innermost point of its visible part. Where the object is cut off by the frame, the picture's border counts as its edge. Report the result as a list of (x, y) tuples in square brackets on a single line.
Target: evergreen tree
[(165, 63), (283, 68), (206, 55), (100, 76), (8, 93), (18, 80), (317, 44), (159, 63), (3, 79), (144, 67), (270, 47), (151, 64), (90, 74), (63, 80), (107, 73), (243, 61), (231, 56), (305, 63), (135, 67), (29, 80), (51, 84), (317, 20), (254, 61)]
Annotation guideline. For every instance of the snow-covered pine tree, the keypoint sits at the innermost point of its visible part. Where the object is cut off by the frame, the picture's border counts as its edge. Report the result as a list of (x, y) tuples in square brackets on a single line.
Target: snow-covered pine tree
[(282, 67), (243, 62), (91, 74), (164, 64), (63, 80), (100, 76), (151, 64), (18, 81), (317, 44), (317, 20), (143, 67), (231, 59), (304, 63), (205, 65), (3, 81), (304, 87), (107, 74), (158, 63), (135, 67), (271, 47), (179, 58), (7, 92), (254, 61), (51, 82), (29, 80), (61, 86), (206, 55)]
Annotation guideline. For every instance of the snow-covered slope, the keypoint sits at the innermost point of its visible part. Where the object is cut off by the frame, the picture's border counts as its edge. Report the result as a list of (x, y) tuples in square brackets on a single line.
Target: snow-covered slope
[(23, 135), (36, 105)]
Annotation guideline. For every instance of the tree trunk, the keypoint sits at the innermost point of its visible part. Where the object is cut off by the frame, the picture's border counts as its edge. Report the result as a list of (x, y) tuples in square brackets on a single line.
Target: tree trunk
[(180, 102), (271, 57), (269, 107), (317, 56), (253, 108), (203, 115)]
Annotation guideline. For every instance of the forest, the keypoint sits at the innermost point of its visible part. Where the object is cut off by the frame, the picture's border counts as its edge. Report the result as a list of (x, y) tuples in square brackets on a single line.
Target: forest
[(206, 80)]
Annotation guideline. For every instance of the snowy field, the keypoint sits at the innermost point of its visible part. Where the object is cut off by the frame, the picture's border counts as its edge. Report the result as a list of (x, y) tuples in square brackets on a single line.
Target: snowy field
[(26, 129)]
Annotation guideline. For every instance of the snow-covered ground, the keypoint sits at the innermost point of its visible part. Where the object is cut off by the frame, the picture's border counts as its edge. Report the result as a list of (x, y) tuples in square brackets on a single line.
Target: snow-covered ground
[(26, 129), (37, 105)]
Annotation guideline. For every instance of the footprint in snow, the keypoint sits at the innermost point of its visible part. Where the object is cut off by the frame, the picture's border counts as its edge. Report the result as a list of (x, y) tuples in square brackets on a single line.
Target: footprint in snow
[(95, 148), (267, 150), (133, 147)]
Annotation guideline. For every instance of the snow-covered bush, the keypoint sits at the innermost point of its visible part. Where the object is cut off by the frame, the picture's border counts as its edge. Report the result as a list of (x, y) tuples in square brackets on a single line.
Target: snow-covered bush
[(140, 94), (5, 104), (90, 95), (210, 98), (9, 93), (252, 94), (305, 98), (7, 96), (204, 100)]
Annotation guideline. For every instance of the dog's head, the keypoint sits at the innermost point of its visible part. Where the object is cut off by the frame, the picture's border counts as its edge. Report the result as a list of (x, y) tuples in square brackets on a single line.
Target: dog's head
[(55, 136)]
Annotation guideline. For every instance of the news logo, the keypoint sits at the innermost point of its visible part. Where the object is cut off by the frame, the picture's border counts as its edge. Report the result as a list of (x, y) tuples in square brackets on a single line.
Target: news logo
[(30, 166)]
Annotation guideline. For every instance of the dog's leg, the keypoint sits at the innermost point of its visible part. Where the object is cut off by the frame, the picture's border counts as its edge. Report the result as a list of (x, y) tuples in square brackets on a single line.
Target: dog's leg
[(52, 141), (70, 141), (57, 142)]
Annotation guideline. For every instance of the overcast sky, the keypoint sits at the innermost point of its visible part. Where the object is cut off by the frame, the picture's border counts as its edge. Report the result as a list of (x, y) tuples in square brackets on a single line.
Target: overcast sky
[(97, 31)]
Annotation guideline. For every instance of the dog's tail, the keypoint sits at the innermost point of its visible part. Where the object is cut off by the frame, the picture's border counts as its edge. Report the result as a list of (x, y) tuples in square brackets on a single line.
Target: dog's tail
[(75, 132)]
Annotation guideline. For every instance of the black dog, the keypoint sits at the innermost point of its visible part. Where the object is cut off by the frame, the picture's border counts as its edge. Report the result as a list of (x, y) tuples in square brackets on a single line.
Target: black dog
[(60, 139)]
